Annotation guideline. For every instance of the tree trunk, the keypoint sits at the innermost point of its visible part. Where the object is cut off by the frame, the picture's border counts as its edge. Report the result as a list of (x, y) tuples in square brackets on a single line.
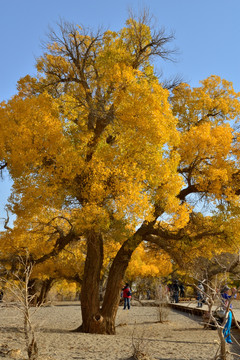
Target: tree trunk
[(38, 290), (114, 285), (90, 302), (45, 288), (34, 290), (102, 320)]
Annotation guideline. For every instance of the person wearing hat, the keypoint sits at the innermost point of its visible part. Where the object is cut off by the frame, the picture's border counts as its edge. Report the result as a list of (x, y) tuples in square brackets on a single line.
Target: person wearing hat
[(226, 295)]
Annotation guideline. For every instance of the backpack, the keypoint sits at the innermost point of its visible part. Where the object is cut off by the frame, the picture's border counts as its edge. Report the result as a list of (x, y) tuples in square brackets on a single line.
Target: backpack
[(129, 293)]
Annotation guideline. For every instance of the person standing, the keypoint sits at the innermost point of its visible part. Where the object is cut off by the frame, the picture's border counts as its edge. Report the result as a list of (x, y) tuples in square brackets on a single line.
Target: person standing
[(182, 290), (226, 295), (175, 288), (127, 294), (200, 294), (148, 294)]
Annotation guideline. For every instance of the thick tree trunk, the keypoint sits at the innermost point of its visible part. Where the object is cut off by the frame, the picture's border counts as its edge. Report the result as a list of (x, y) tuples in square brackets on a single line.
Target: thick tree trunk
[(90, 302), (115, 280), (46, 287), (96, 319), (39, 290)]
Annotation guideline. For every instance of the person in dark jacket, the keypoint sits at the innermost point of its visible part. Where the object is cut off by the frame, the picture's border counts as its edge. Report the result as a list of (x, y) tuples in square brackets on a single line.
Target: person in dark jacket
[(127, 294), (182, 290), (175, 289), (1, 295)]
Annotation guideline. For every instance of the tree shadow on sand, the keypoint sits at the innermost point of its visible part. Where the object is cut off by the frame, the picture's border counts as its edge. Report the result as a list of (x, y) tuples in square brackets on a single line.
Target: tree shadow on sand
[(10, 329)]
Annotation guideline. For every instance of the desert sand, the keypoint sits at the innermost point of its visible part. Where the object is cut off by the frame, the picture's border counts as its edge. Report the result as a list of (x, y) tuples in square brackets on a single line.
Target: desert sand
[(181, 337)]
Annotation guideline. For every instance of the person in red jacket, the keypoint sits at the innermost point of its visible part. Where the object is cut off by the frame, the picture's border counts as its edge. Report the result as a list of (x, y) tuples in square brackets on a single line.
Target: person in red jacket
[(127, 294)]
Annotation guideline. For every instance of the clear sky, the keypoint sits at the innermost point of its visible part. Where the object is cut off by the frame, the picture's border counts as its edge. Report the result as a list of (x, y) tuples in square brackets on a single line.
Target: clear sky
[(207, 35)]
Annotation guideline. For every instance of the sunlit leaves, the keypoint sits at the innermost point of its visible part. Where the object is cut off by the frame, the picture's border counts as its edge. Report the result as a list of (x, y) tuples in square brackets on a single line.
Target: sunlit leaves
[(214, 101), (146, 263), (95, 136)]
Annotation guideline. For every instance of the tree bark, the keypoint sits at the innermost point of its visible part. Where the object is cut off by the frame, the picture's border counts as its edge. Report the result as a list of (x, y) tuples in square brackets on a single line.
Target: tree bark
[(102, 320), (90, 302), (38, 290), (115, 282), (45, 288)]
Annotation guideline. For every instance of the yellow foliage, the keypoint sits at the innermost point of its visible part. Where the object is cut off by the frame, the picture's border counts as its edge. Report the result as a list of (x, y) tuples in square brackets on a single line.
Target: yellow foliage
[(214, 101), (145, 263), (206, 149), (97, 138), (64, 288)]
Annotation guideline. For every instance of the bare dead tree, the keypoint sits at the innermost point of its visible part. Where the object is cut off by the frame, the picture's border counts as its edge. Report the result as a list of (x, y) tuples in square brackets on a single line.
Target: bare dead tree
[(162, 302), (19, 288)]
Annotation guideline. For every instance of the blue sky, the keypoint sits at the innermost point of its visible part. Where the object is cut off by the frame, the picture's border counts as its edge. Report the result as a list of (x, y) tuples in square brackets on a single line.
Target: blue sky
[(207, 36)]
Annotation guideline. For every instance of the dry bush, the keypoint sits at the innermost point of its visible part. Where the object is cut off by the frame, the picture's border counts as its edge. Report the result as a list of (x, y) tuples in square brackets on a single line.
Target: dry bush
[(162, 303), (140, 346)]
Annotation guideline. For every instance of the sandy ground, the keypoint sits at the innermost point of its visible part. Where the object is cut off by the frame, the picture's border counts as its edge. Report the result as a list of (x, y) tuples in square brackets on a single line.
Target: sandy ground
[(181, 337)]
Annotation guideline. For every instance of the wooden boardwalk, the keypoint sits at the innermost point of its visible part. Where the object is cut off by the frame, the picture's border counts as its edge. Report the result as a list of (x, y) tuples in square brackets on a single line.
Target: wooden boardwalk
[(191, 307)]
